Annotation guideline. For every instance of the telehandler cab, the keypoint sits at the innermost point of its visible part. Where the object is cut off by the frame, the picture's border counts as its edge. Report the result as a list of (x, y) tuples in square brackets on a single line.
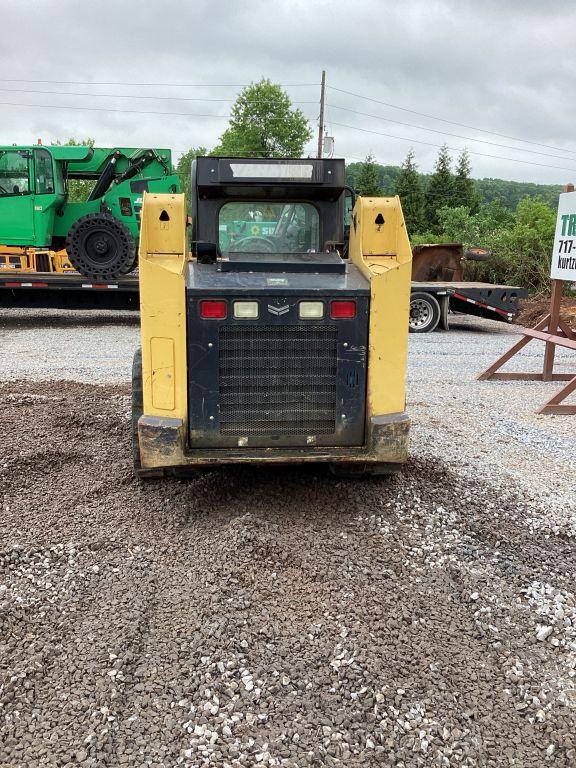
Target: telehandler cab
[(101, 233), (283, 343)]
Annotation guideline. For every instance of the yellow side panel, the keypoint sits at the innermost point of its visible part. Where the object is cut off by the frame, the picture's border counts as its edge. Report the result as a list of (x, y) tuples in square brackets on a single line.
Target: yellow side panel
[(388, 341), (162, 362), (380, 248), (162, 262)]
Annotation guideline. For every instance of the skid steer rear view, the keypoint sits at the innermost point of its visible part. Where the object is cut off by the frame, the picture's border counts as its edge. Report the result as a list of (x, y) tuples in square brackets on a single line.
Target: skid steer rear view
[(281, 337)]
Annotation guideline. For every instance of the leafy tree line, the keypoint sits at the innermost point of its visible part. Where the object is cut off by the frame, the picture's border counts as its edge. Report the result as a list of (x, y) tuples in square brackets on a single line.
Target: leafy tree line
[(507, 193), (422, 200), (449, 206)]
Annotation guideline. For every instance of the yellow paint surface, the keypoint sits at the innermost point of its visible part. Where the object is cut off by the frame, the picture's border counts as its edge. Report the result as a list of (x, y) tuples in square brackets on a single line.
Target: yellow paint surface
[(162, 261)]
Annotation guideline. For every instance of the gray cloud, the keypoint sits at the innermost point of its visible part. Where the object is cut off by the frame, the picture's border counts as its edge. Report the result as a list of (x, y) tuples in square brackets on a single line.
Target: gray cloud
[(506, 67)]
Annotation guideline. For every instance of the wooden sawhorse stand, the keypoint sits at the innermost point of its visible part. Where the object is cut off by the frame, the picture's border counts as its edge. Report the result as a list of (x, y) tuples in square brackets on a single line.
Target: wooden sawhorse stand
[(555, 332)]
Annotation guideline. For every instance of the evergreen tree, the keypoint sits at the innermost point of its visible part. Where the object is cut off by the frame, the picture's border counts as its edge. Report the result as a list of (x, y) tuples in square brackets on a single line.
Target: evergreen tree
[(409, 189), (465, 193), (440, 192), (368, 181)]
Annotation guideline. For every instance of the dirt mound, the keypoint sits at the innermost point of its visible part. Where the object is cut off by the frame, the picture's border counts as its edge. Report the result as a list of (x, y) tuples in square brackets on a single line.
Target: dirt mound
[(535, 307)]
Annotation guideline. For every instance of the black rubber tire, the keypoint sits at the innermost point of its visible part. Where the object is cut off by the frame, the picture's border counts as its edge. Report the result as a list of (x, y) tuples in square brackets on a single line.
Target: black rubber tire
[(101, 247), (471, 255), (187, 473), (444, 323), (424, 312), (137, 411)]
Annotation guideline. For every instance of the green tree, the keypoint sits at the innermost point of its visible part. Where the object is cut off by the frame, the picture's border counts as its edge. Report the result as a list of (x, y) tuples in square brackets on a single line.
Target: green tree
[(184, 169), (440, 191), (458, 225), (263, 123), (368, 180), (523, 253), (465, 193), (387, 174), (79, 189), (409, 189)]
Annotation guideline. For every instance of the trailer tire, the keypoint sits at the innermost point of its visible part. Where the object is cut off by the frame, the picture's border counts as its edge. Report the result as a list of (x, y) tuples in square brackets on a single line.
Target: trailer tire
[(137, 411), (101, 247), (444, 323), (424, 312)]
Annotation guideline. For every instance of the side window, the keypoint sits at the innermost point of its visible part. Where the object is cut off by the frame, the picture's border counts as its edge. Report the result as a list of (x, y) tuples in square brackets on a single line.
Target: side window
[(348, 206), (14, 173), (44, 172)]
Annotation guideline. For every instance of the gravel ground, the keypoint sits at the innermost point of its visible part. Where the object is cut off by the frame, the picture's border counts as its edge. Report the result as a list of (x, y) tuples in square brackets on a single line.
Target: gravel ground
[(281, 617)]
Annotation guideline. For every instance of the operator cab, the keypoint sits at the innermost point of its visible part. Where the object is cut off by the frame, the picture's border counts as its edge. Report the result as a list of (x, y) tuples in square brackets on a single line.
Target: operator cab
[(272, 206), (277, 319)]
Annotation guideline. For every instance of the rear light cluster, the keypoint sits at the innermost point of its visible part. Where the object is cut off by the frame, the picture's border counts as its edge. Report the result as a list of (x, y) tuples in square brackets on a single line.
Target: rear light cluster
[(213, 310), (217, 309), (342, 309)]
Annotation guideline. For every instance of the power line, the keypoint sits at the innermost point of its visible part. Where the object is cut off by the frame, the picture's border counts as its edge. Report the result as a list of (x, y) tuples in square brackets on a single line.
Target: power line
[(131, 111), (131, 96), (452, 149), (450, 122), (445, 133), (152, 85), (107, 109)]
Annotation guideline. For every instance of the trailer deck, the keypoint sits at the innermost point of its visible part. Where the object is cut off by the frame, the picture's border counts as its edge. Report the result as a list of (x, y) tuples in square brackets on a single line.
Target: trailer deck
[(67, 290), (73, 291)]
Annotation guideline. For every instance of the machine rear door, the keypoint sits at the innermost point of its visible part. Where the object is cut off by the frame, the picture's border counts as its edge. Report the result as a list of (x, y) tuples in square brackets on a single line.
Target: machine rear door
[(16, 198)]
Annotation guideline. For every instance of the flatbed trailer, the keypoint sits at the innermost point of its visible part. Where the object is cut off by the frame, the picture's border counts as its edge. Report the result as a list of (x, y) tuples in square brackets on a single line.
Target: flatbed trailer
[(439, 288), (431, 301), (68, 290)]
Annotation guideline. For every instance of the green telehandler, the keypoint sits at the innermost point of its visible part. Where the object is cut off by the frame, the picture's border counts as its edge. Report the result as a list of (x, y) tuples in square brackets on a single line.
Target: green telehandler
[(100, 234)]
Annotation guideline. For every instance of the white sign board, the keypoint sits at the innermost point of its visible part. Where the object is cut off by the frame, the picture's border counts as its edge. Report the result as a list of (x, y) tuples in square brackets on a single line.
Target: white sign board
[(564, 253)]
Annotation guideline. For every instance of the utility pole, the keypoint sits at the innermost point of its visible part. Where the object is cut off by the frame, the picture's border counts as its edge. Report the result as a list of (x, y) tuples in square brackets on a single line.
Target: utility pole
[(321, 125)]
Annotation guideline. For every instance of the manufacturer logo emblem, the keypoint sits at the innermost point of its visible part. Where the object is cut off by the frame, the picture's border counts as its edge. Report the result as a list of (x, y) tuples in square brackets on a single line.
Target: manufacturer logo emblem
[(278, 311)]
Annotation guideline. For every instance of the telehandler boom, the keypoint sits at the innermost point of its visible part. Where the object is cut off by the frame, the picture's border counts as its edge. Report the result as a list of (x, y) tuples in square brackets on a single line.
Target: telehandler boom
[(100, 234)]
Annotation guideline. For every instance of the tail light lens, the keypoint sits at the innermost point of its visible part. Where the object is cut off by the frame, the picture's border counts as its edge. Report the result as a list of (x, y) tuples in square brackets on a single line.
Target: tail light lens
[(342, 310), (213, 310)]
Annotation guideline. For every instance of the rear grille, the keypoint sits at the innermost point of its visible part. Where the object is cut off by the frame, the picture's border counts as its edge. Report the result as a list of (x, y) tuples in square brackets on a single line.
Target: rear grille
[(278, 379)]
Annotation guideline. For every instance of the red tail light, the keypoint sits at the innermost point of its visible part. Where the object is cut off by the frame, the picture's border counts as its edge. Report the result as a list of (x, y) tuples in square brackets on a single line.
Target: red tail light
[(213, 310), (342, 309)]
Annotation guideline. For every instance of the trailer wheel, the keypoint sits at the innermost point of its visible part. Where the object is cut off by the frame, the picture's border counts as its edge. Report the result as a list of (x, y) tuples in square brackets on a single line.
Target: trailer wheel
[(137, 411), (424, 312), (101, 247)]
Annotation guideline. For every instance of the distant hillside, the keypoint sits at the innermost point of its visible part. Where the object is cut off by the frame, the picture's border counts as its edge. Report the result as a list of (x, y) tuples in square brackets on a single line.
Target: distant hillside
[(509, 193)]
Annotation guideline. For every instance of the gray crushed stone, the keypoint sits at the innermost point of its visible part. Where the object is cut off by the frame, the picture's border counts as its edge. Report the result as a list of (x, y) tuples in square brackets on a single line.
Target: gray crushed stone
[(282, 617)]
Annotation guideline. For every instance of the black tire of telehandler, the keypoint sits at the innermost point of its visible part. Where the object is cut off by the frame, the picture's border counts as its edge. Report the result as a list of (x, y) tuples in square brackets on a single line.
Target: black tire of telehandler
[(137, 411), (101, 247)]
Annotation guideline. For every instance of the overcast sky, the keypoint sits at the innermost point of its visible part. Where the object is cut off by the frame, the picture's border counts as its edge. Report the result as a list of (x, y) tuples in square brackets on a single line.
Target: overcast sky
[(504, 68)]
